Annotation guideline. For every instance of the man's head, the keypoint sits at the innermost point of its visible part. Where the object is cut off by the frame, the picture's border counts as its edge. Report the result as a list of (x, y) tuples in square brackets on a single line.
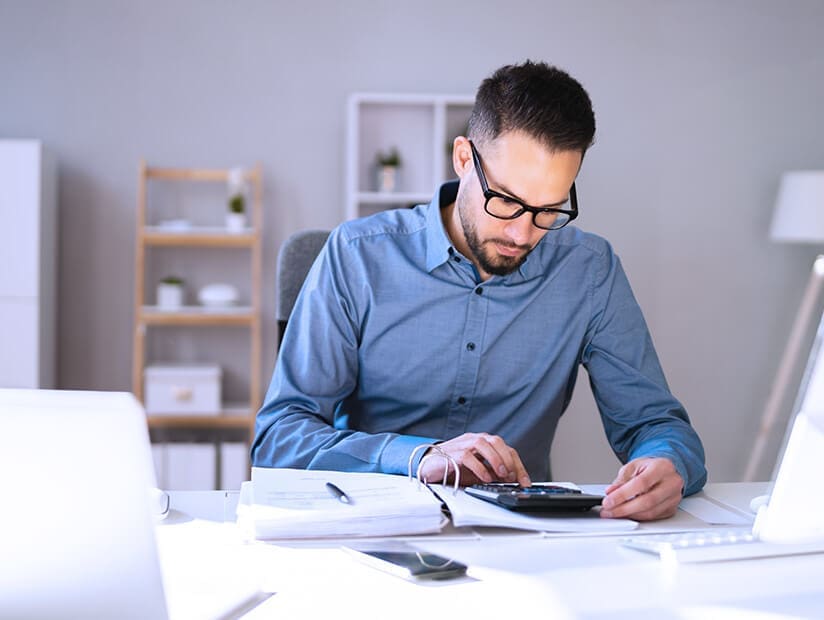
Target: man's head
[(537, 99), (530, 126)]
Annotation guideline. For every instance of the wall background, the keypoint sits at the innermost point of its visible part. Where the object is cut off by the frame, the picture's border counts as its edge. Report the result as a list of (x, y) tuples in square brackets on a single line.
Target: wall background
[(700, 107)]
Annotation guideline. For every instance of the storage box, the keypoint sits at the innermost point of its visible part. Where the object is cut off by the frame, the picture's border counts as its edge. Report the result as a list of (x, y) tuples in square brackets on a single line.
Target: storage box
[(182, 390)]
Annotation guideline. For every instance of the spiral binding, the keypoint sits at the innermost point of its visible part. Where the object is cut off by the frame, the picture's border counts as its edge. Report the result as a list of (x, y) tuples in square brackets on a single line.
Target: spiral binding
[(437, 453)]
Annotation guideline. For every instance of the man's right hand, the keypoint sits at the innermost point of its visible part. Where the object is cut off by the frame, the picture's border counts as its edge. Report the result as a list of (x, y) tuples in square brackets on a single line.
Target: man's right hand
[(481, 458)]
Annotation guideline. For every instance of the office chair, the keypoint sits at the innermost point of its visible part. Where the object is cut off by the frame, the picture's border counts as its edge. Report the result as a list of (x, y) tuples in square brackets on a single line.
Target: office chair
[(295, 257)]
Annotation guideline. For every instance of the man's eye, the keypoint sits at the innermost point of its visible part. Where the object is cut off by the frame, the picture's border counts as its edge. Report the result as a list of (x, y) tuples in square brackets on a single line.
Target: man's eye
[(509, 201)]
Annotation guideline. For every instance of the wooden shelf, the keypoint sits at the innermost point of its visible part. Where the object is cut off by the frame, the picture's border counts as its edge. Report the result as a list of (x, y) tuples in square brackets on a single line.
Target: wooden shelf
[(200, 421), (198, 237), (192, 174), (197, 315), (232, 420), (393, 198)]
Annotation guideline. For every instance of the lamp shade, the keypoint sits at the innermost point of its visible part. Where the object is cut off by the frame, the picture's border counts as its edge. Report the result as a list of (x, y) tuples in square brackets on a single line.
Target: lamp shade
[(799, 209)]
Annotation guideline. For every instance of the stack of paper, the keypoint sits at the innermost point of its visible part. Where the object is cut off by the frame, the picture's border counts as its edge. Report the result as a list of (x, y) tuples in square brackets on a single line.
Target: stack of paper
[(296, 503)]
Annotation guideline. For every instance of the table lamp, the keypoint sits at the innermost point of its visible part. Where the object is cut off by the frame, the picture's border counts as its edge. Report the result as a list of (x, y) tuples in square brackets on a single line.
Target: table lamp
[(798, 218)]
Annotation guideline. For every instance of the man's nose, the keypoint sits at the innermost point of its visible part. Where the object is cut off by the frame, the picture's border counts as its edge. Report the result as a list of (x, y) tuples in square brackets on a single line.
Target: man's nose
[(519, 229)]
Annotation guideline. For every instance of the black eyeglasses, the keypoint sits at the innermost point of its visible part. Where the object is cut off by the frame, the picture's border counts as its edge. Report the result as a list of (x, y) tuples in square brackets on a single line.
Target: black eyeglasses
[(508, 208)]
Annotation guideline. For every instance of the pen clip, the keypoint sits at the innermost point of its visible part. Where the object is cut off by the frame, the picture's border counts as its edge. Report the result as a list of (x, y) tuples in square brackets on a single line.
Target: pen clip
[(436, 452)]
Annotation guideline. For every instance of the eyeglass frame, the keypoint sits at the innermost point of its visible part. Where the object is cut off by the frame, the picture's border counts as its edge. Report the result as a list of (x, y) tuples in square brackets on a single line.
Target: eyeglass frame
[(489, 194)]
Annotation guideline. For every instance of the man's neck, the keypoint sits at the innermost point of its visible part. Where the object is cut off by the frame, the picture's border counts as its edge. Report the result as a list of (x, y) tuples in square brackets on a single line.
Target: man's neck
[(454, 230)]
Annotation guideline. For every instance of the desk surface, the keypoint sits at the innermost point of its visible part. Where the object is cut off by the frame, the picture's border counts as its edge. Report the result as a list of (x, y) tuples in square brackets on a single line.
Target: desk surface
[(570, 576)]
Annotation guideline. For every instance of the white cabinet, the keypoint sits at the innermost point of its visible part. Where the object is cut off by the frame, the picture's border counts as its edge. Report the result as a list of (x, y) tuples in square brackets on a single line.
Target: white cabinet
[(420, 127), (195, 467), (28, 228)]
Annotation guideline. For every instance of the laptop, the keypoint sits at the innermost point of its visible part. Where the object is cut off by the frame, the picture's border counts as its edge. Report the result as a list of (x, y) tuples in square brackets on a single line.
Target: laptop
[(76, 528), (540, 497)]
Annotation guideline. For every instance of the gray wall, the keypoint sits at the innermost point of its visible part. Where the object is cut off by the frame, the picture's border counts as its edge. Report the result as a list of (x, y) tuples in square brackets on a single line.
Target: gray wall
[(700, 106)]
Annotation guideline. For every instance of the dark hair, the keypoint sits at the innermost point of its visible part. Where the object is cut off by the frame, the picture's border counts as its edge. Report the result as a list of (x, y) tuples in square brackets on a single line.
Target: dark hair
[(537, 99)]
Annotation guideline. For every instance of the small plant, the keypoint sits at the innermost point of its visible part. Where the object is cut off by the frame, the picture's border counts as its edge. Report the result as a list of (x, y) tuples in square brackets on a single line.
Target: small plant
[(172, 280), (237, 204), (391, 158)]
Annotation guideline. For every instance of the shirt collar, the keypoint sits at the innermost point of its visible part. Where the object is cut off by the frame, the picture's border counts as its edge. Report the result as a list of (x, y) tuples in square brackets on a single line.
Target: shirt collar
[(437, 241)]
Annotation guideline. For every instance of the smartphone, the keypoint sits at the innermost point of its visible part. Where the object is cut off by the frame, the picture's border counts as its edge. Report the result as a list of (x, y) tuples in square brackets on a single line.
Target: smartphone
[(410, 564)]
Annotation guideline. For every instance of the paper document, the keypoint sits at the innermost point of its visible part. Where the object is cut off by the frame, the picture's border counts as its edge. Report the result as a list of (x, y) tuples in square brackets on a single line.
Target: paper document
[(470, 511), (296, 503), (710, 512)]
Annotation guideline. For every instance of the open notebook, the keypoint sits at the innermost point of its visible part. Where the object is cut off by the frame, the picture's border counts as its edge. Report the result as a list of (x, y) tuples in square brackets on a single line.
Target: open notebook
[(76, 529)]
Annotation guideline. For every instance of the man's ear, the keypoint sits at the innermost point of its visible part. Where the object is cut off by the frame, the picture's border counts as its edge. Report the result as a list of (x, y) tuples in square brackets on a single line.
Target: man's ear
[(461, 156)]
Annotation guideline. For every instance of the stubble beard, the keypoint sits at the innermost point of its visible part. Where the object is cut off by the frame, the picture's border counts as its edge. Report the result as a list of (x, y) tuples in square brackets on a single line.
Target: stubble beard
[(488, 259)]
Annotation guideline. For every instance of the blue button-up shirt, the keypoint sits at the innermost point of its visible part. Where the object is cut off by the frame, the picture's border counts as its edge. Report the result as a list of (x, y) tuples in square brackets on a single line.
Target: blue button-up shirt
[(394, 341)]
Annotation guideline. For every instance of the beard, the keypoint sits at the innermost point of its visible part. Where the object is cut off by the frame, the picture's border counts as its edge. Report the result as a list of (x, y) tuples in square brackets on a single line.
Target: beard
[(488, 259)]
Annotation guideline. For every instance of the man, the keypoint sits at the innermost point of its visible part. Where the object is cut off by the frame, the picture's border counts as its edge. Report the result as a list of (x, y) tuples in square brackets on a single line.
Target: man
[(463, 323)]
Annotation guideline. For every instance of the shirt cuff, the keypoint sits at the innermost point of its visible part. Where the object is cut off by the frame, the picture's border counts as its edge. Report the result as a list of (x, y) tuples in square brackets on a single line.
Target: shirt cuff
[(395, 456)]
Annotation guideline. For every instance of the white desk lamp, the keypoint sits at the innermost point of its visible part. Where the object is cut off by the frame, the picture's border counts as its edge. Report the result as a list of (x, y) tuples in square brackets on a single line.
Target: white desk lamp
[(798, 218)]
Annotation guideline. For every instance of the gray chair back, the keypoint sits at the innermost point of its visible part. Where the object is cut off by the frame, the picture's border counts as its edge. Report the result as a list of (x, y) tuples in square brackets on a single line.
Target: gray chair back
[(295, 258)]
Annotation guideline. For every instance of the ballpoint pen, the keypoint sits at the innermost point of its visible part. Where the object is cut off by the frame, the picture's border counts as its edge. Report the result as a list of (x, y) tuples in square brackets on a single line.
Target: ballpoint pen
[(338, 493)]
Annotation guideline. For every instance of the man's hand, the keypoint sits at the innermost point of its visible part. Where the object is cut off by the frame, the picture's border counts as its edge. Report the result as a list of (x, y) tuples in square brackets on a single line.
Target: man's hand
[(481, 458), (645, 489)]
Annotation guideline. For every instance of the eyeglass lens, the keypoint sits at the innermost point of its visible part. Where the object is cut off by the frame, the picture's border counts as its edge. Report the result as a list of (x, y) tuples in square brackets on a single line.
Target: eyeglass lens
[(502, 208)]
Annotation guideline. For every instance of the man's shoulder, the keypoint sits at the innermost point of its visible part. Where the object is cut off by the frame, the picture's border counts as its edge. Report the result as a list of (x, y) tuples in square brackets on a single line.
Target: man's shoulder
[(390, 225), (574, 237)]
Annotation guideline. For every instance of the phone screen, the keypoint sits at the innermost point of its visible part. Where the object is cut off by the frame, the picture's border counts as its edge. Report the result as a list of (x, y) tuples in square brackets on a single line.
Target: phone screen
[(412, 564)]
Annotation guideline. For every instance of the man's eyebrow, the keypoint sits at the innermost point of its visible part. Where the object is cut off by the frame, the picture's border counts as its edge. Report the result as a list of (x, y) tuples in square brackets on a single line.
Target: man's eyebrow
[(552, 205)]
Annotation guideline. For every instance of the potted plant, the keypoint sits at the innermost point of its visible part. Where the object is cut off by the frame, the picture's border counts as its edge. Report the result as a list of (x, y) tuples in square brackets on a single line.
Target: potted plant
[(236, 213), (387, 170), (236, 216), (170, 293)]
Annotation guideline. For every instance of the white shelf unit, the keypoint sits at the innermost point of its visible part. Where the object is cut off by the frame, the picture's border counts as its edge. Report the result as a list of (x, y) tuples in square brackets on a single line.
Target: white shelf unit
[(28, 253), (421, 127)]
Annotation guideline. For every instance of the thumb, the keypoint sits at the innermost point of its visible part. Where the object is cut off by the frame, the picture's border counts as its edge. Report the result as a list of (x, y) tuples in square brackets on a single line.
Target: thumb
[(624, 474)]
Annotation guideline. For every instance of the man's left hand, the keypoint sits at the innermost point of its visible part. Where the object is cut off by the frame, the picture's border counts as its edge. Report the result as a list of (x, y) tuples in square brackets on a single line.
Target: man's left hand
[(645, 489)]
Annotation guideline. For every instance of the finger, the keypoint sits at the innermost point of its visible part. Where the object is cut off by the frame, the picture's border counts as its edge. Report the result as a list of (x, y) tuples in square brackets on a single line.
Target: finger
[(521, 474), (646, 507), (477, 466), (660, 499), (638, 476), (635, 505), (510, 468), (498, 455), (625, 492)]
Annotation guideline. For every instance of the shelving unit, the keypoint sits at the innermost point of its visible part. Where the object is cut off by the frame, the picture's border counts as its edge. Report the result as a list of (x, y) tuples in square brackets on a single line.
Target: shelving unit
[(235, 421), (421, 127)]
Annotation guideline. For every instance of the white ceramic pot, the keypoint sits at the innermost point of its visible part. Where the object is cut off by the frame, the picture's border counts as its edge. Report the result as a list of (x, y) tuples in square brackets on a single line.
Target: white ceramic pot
[(387, 178), (169, 296), (236, 222)]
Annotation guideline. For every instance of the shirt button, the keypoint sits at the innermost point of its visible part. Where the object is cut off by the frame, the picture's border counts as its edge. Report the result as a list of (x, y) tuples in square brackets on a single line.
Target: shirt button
[(457, 259), (479, 290), (461, 400), (470, 346)]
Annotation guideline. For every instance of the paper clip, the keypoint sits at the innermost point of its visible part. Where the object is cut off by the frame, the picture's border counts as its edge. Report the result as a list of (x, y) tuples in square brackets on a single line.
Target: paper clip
[(436, 452)]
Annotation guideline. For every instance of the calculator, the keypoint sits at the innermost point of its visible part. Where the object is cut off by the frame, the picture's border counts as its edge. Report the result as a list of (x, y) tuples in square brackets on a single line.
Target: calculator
[(538, 497)]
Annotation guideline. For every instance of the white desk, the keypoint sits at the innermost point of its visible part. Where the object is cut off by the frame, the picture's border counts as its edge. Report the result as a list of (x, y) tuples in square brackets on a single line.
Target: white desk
[(556, 577)]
